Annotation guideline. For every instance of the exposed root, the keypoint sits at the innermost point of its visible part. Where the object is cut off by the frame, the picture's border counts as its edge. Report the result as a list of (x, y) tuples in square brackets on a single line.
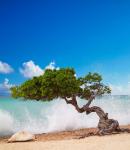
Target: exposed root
[(110, 126)]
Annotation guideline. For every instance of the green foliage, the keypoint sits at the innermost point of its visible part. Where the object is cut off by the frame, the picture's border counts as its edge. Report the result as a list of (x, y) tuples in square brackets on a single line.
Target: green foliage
[(92, 86), (61, 83), (30, 89)]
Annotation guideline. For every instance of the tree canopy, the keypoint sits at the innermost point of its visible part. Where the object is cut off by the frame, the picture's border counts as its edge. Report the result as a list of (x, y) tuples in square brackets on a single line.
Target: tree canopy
[(61, 83)]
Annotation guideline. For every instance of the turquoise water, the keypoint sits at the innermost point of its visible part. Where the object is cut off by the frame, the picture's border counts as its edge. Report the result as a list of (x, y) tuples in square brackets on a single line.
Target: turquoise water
[(40, 117)]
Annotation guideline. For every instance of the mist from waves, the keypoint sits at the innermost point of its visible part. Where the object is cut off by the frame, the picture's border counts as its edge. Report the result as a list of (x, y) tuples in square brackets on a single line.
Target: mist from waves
[(43, 117)]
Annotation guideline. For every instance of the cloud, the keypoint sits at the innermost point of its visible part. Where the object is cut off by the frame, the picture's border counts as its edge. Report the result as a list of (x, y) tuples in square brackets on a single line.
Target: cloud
[(52, 66), (5, 87), (120, 89), (30, 69), (5, 68)]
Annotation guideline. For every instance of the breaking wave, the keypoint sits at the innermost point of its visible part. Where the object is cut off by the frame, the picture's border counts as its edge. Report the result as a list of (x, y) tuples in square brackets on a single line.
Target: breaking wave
[(39, 117)]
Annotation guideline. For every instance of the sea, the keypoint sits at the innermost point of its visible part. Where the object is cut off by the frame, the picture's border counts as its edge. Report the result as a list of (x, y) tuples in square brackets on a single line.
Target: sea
[(44, 117)]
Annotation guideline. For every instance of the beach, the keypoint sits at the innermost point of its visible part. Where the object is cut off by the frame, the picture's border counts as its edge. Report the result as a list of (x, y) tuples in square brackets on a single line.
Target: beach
[(72, 140), (112, 142)]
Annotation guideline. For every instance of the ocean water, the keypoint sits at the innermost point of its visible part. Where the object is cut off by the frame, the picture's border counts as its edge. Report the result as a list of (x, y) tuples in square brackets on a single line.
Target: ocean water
[(43, 117)]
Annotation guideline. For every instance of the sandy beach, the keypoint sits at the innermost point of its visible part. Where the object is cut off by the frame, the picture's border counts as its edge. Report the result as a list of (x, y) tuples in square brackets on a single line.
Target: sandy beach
[(70, 140), (112, 142)]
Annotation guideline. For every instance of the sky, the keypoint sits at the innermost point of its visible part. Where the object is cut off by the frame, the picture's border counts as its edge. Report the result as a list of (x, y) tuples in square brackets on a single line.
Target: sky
[(86, 35)]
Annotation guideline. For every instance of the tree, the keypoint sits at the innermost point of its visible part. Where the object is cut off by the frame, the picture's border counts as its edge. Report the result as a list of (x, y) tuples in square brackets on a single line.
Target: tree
[(63, 83)]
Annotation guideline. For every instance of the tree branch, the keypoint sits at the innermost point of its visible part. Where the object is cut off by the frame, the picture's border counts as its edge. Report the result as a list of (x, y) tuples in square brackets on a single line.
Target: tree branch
[(67, 101), (73, 102), (86, 106)]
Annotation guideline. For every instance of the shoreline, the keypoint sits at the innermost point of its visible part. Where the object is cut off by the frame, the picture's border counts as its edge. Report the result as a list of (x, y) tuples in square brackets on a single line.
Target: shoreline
[(64, 135)]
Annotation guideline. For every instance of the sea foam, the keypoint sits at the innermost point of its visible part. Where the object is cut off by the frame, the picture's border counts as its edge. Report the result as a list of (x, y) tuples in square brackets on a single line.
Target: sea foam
[(40, 117)]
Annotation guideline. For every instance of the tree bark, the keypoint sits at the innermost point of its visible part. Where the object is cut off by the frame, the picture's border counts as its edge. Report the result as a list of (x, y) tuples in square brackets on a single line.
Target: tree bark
[(105, 125)]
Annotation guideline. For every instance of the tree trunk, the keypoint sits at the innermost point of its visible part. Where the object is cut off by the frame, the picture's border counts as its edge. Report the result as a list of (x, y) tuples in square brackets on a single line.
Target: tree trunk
[(105, 125)]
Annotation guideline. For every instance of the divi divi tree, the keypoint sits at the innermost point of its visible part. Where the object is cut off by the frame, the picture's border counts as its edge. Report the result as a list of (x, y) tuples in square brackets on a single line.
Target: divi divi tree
[(64, 84)]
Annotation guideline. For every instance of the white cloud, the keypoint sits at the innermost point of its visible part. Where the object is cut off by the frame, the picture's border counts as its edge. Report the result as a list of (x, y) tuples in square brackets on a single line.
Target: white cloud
[(5, 68), (5, 87), (120, 89), (30, 69), (6, 84), (52, 66)]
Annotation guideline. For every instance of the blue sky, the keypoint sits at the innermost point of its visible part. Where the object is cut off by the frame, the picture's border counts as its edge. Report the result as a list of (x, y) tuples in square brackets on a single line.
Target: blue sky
[(87, 35)]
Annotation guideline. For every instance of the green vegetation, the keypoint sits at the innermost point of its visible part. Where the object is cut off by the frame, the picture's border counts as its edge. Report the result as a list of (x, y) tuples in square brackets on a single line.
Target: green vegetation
[(61, 83)]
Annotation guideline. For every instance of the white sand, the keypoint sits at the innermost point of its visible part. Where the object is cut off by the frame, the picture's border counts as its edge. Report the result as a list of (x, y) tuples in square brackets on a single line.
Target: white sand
[(112, 142)]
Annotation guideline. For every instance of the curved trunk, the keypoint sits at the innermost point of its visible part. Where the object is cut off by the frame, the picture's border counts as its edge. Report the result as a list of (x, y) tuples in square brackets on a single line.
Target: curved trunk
[(105, 125)]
